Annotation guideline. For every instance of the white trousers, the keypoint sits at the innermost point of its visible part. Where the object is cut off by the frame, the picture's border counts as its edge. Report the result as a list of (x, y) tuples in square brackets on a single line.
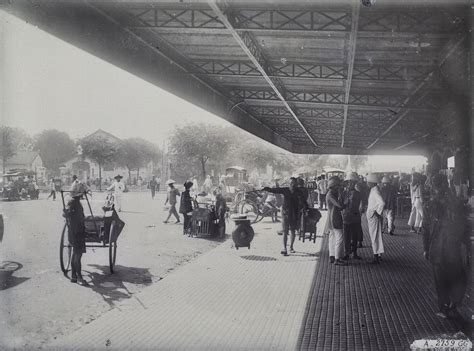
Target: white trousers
[(388, 214), (336, 243), (118, 203), (416, 214), (375, 231)]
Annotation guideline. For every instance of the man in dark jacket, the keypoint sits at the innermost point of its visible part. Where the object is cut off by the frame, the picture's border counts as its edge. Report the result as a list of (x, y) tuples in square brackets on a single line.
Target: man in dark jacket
[(447, 245), (351, 217), (186, 207), (74, 214), (293, 205)]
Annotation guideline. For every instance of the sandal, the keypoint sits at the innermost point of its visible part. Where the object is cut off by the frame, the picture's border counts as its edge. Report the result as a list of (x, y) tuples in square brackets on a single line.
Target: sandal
[(292, 251)]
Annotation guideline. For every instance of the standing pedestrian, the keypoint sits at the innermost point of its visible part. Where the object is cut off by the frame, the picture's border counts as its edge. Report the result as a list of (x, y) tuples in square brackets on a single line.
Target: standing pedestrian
[(74, 214), (207, 186), (335, 222), (389, 196), (362, 188), (375, 208), (186, 207), (446, 243), (322, 190), (351, 217), (221, 209), (171, 198), (152, 186), (52, 189), (293, 205), (118, 188), (416, 215)]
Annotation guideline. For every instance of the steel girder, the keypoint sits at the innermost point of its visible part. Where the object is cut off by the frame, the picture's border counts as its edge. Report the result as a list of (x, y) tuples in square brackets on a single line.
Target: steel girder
[(311, 19)]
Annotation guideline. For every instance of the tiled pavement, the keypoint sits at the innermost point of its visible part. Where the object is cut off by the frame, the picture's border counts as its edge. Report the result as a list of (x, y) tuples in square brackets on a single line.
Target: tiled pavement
[(258, 300), (226, 299), (375, 307)]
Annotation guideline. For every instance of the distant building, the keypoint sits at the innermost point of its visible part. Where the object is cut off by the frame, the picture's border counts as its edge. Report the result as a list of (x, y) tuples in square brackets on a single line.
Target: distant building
[(85, 168), (27, 161)]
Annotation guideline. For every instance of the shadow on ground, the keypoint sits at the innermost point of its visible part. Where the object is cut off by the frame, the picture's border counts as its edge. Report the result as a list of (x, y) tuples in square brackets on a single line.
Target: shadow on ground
[(7, 279), (113, 287)]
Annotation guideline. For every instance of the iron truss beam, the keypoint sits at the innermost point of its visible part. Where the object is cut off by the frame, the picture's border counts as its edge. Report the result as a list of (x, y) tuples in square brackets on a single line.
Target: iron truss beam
[(251, 49), (314, 71), (289, 20), (334, 100)]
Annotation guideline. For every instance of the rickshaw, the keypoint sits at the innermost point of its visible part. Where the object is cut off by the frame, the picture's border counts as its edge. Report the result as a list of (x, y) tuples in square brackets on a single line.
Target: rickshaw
[(100, 232)]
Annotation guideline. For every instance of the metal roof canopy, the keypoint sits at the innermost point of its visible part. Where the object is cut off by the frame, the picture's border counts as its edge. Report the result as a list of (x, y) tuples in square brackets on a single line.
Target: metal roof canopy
[(331, 77)]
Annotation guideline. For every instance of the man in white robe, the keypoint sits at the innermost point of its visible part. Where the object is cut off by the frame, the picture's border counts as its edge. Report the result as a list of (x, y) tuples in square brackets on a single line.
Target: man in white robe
[(118, 188), (374, 217)]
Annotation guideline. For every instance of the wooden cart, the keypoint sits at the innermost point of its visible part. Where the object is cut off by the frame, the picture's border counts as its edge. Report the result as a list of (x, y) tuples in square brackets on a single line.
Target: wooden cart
[(100, 232)]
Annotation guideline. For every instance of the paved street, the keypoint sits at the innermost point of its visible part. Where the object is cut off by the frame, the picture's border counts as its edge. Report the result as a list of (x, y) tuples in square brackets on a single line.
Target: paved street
[(39, 303), (222, 299)]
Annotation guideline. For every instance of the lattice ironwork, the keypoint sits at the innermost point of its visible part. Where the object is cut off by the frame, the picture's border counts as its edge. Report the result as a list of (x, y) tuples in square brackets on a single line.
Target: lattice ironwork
[(332, 20), (411, 21), (335, 100), (227, 68), (316, 71), (177, 18)]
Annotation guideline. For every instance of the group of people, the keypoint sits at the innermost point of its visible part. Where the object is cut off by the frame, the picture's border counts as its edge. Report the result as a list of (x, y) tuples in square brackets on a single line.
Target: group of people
[(21, 189), (188, 202)]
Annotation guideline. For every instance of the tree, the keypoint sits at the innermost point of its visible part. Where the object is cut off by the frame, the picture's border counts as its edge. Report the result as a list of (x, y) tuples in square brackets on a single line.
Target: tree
[(12, 140), (54, 147), (100, 150), (196, 145), (135, 153)]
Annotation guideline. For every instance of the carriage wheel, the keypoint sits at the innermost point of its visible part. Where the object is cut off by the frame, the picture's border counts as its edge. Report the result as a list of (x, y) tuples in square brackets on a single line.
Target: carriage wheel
[(249, 209), (112, 247), (65, 252)]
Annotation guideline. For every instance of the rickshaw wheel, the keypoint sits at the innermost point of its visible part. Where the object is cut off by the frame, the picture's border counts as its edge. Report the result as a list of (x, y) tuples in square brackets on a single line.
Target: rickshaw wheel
[(249, 209), (112, 247), (65, 252)]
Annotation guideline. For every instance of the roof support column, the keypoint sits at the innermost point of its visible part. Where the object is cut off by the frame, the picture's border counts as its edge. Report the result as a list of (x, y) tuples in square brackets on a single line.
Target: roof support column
[(471, 75)]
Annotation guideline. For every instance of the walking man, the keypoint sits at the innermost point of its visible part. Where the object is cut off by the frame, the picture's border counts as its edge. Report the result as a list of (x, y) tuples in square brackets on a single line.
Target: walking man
[(389, 196), (446, 243), (152, 185), (375, 208), (335, 223), (293, 204), (52, 188), (117, 187), (322, 190), (351, 217), (171, 198)]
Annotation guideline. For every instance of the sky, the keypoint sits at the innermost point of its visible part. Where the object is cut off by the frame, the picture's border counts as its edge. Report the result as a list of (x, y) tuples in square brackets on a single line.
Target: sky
[(47, 83)]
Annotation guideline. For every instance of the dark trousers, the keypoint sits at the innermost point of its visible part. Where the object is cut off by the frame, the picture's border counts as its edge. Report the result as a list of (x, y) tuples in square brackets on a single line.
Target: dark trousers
[(186, 224), (152, 193), (451, 284), (352, 235), (53, 194), (322, 201)]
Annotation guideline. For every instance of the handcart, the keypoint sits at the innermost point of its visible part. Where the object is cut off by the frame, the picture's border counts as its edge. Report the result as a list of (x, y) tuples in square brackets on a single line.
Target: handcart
[(204, 221), (100, 232), (308, 224)]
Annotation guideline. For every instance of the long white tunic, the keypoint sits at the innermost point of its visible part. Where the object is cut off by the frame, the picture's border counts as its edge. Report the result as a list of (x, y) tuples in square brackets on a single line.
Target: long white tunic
[(375, 204)]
